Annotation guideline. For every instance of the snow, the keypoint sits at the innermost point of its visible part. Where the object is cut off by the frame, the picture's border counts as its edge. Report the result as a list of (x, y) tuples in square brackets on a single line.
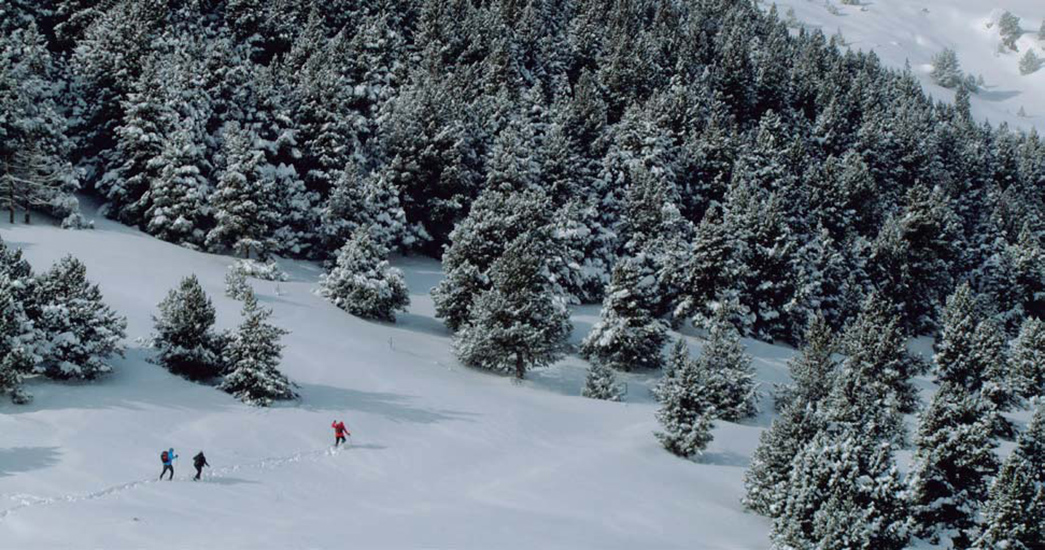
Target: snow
[(902, 31), (442, 455)]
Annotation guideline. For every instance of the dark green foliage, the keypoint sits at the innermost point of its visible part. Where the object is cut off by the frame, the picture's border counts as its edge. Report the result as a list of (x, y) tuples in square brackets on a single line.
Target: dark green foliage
[(185, 342)]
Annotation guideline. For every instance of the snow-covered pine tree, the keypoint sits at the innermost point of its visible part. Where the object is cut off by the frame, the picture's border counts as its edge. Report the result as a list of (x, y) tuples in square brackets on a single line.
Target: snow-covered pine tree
[(236, 285), (708, 269), (990, 351), (947, 71), (518, 324), (363, 283), (361, 199), (177, 198), (184, 340), (16, 337), (497, 218), (955, 362), (1014, 515), (627, 336), (813, 370), (843, 492), (766, 479), (601, 383), (726, 369), (875, 346), (686, 408), (243, 218), (79, 332), (1028, 359), (1030, 63), (252, 359), (951, 466), (1010, 30)]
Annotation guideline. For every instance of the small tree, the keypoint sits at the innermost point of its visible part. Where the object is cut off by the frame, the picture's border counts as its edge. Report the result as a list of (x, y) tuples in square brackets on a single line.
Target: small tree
[(185, 342), (767, 477), (363, 283), (1028, 359), (236, 285), (80, 333), (627, 336), (813, 370), (686, 411), (518, 324), (1030, 63), (601, 383), (727, 371), (1010, 30), (947, 71), (253, 357)]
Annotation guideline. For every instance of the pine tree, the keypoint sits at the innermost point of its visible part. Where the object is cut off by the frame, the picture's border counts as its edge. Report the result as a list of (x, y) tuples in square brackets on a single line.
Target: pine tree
[(1014, 515), (601, 383), (729, 377), (1028, 359), (843, 492), (813, 370), (242, 215), (947, 71), (767, 477), (184, 339), (236, 285), (953, 460), (1030, 63), (16, 337), (1010, 30), (80, 333), (253, 357), (517, 324), (362, 281), (687, 409), (709, 268), (627, 337), (177, 198), (954, 358)]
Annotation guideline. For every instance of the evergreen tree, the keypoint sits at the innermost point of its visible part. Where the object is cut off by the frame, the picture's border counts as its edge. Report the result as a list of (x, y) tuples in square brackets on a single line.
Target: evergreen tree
[(80, 333), (177, 198), (687, 410), (601, 383), (1028, 359), (1030, 63), (766, 480), (362, 281), (517, 324), (875, 346), (953, 460), (1010, 30), (184, 340), (627, 337), (16, 337), (708, 269), (253, 357), (813, 370), (954, 358), (729, 377), (236, 285), (242, 215), (947, 71), (843, 492), (1015, 512)]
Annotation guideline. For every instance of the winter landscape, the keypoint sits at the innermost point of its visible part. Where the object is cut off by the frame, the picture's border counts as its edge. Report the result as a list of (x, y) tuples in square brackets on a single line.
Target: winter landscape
[(573, 273)]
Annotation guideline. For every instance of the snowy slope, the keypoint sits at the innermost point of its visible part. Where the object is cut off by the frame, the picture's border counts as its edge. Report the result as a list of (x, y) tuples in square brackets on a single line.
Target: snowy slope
[(442, 456), (914, 30)]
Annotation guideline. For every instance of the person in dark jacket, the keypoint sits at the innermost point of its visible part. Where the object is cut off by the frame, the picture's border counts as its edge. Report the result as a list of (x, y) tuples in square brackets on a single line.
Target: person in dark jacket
[(199, 461)]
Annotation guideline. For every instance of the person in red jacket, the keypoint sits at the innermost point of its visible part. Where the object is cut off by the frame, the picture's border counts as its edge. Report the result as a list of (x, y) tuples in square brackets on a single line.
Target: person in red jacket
[(340, 431)]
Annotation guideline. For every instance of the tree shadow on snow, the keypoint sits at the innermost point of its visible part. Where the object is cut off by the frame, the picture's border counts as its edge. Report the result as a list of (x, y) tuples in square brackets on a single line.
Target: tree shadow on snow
[(395, 407), (421, 323), (26, 459), (725, 458)]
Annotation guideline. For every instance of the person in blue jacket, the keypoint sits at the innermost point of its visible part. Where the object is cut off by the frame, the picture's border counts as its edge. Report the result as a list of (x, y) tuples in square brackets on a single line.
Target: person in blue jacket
[(168, 462)]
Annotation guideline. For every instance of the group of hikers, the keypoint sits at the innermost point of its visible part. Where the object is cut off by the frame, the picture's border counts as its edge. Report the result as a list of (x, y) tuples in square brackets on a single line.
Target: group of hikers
[(199, 461)]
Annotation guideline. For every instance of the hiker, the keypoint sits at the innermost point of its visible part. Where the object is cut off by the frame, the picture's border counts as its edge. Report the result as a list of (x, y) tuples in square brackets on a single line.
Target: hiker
[(199, 461), (168, 457), (340, 431)]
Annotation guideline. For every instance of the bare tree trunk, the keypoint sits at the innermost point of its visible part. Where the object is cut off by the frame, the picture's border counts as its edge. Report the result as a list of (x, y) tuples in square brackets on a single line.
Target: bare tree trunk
[(27, 210), (520, 368)]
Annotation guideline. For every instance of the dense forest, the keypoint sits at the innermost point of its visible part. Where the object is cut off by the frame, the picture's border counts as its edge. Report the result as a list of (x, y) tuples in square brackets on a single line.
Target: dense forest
[(681, 161)]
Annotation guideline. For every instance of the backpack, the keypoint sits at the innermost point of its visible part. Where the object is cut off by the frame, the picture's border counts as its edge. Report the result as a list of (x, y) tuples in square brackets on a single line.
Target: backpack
[(164, 457)]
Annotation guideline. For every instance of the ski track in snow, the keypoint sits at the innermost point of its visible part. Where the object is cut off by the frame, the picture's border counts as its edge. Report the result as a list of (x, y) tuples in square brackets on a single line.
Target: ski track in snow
[(32, 501)]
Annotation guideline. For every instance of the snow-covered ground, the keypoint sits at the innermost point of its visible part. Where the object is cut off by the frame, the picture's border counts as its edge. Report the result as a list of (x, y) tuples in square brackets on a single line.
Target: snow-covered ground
[(913, 31), (442, 456)]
